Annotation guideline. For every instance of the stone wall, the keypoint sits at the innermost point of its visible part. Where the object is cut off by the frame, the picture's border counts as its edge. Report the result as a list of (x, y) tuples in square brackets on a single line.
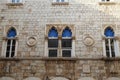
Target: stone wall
[(21, 69), (31, 20), (89, 17)]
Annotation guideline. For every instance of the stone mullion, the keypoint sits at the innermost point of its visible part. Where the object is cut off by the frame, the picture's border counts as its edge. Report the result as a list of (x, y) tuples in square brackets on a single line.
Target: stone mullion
[(59, 47)]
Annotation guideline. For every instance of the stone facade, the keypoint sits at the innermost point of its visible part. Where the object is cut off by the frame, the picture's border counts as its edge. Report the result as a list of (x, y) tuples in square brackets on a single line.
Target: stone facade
[(32, 19)]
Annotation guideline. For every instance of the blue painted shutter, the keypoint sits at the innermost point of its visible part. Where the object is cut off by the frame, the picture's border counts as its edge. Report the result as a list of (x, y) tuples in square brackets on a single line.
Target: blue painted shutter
[(109, 32), (53, 33), (67, 33), (11, 33)]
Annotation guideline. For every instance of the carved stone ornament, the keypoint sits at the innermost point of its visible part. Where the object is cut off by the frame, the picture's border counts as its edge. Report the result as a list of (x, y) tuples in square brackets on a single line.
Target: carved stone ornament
[(31, 41), (88, 41)]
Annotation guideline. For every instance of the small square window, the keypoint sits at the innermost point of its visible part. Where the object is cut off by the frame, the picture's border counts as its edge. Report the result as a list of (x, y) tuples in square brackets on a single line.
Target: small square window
[(66, 53), (52, 53), (52, 43), (66, 43)]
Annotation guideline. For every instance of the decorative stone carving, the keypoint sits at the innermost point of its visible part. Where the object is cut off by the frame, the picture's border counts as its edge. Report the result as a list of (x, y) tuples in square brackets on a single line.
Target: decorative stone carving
[(86, 68), (88, 41), (31, 41), (59, 69)]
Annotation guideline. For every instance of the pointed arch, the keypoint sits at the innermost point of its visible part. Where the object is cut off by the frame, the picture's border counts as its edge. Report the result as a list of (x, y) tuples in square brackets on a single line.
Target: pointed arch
[(53, 32), (11, 42), (66, 42), (110, 42), (11, 32), (67, 32), (52, 42), (109, 32)]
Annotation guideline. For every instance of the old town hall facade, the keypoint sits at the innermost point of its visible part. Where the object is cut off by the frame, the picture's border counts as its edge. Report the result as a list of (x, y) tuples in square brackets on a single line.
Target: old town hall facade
[(59, 39)]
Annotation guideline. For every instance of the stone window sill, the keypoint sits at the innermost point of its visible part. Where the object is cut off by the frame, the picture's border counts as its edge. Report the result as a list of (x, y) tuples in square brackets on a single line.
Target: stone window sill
[(60, 3), (107, 3), (14, 4), (111, 58), (6, 38), (115, 37)]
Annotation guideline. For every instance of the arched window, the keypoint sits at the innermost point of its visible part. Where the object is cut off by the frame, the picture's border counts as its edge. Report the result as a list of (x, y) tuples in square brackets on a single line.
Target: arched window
[(52, 42), (11, 42), (109, 42), (66, 42)]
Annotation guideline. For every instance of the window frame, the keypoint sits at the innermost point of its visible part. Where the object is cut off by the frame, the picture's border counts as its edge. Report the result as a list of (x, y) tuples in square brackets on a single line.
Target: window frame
[(60, 30), (5, 40), (52, 48), (115, 42), (66, 48), (11, 48), (109, 46)]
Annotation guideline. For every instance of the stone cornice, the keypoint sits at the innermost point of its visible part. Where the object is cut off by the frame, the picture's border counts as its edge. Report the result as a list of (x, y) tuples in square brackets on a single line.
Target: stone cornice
[(57, 59)]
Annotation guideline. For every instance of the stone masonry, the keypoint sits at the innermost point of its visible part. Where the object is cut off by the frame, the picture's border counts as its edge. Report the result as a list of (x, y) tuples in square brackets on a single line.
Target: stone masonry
[(89, 18)]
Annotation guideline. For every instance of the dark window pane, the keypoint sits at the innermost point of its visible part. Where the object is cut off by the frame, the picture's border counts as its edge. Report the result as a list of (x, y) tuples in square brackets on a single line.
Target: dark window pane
[(107, 48), (107, 53), (8, 48), (14, 41), (8, 42), (66, 42), (53, 43), (7, 54), (66, 53), (112, 48), (13, 48), (52, 53), (12, 54)]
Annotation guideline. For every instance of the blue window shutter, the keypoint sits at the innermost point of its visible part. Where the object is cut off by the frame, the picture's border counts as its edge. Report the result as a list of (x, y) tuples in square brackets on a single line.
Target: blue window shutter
[(53, 33), (109, 32), (67, 33), (11, 33)]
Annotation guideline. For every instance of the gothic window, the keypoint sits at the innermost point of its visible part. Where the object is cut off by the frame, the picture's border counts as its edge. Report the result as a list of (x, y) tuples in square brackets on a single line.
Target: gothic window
[(109, 42), (66, 42), (60, 41), (11, 43), (52, 42)]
